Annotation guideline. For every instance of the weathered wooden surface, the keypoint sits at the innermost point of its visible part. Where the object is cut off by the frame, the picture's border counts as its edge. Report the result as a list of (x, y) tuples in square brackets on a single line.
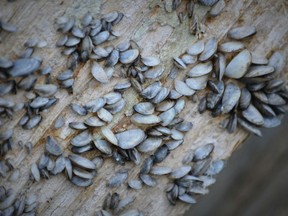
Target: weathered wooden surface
[(158, 33)]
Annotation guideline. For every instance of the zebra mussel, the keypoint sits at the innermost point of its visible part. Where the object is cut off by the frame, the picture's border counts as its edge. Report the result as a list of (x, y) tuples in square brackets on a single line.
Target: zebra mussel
[(7, 27)]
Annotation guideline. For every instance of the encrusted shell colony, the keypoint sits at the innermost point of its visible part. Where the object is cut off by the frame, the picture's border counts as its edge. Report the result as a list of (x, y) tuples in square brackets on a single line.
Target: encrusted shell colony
[(242, 87)]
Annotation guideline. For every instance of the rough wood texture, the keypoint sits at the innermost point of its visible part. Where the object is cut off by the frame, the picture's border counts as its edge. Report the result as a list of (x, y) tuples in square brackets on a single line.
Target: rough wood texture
[(158, 33)]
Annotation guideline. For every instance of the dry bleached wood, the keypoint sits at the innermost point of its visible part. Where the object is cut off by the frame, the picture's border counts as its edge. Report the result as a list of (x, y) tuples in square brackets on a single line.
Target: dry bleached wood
[(159, 35)]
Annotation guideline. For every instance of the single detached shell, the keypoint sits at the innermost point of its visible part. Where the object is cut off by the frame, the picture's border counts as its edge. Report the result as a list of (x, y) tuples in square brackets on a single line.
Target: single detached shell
[(110, 17), (82, 139), (35, 172), (80, 182), (101, 37), (62, 40), (144, 108), (259, 59), (179, 63), (161, 153), (148, 180), (253, 115), (203, 152), (104, 115), (45, 90), (109, 135), (165, 105), (7, 103), (255, 71), (125, 202), (152, 90), (201, 69), (215, 167), (271, 122), (59, 167), (157, 170), (147, 165), (197, 83), (182, 88), (241, 32), (150, 61), (145, 119), (261, 96), (130, 138), (99, 74), (217, 8), (231, 97), (6, 134), (180, 172), (118, 179), (184, 126), (123, 46), (101, 52), (196, 48), (77, 125), (154, 72), (128, 56), (209, 49), (33, 122), (93, 121), (82, 162), (249, 127), (72, 41), (232, 123), (103, 146), (179, 105), (83, 173), (86, 19), (189, 59), (8, 27), (116, 107), (24, 67), (186, 198), (112, 97), (53, 147), (95, 105), (161, 96), (239, 65), (135, 184), (77, 32), (233, 46), (275, 99), (277, 60), (167, 116), (245, 99), (149, 144), (78, 109), (5, 63), (122, 85)]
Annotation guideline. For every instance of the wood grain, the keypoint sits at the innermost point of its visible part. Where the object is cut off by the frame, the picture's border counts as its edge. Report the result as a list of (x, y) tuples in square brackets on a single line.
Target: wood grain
[(157, 33)]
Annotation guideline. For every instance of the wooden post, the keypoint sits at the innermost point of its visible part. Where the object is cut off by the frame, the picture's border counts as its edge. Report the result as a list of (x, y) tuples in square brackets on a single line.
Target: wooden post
[(157, 33)]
